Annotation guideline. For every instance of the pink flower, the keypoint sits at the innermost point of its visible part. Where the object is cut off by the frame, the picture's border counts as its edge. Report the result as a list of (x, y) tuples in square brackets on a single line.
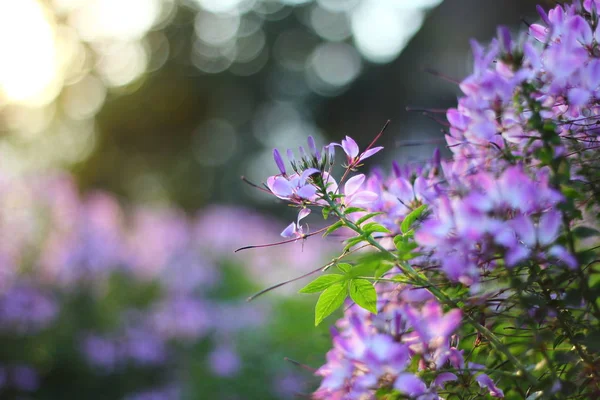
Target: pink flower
[(352, 152), (295, 229), (356, 197), (294, 188)]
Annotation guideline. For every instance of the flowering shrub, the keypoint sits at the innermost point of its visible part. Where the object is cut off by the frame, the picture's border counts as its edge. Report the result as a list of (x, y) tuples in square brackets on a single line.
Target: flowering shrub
[(98, 301), (476, 275)]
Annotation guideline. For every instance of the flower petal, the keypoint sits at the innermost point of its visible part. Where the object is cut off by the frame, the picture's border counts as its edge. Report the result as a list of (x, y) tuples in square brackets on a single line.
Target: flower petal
[(363, 197), (444, 377), (486, 382), (303, 214), (409, 384), (369, 153), (524, 229), (290, 231), (306, 174), (353, 184), (350, 147), (306, 192), (279, 161), (548, 227), (563, 255), (516, 254), (280, 187), (403, 190)]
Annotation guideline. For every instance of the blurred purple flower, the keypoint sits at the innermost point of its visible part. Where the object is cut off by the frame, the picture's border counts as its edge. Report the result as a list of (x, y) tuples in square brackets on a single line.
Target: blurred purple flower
[(224, 361), (24, 378), (26, 309)]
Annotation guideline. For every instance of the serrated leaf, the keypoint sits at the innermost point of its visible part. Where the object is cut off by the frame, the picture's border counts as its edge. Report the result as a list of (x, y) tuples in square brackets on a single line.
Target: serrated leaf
[(326, 211), (333, 228), (373, 227), (367, 216), (329, 301), (411, 218), (363, 293), (321, 283), (344, 267), (351, 210)]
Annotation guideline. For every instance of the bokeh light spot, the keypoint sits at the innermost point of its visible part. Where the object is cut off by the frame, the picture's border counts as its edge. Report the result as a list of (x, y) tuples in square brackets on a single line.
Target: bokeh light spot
[(84, 98), (336, 64), (28, 50), (381, 30), (333, 26), (216, 29), (115, 19)]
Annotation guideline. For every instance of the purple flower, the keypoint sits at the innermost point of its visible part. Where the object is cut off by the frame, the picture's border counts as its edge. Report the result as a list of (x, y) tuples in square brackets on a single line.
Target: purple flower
[(144, 347), (352, 152), (356, 197), (26, 309), (432, 325), (486, 382), (350, 147), (164, 393), (294, 188), (181, 317), (410, 385), (279, 161), (101, 352), (224, 361), (295, 229), (24, 378)]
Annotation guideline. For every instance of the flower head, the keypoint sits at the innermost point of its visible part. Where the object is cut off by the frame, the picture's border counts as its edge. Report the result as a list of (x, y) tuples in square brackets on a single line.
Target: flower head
[(350, 147)]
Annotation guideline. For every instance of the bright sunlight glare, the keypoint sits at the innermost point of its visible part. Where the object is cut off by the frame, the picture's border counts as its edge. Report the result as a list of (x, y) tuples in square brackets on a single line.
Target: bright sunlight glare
[(28, 51)]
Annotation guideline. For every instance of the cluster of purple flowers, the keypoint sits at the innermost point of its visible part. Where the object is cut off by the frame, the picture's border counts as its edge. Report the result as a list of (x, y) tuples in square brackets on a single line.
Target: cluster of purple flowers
[(372, 348), (500, 212)]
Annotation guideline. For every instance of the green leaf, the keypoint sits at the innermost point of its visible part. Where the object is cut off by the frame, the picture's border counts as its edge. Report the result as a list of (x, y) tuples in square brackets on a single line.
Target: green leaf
[(333, 228), (326, 211), (403, 245), (364, 269), (594, 280), (321, 283), (584, 232), (409, 256), (329, 301), (372, 227), (559, 339), (384, 267), (352, 242), (351, 210), (367, 216), (344, 267), (399, 240), (411, 218), (402, 279), (592, 341), (363, 293)]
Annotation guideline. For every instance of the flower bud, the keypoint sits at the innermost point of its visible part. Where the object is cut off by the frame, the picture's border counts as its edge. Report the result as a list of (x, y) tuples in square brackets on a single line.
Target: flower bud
[(279, 161)]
